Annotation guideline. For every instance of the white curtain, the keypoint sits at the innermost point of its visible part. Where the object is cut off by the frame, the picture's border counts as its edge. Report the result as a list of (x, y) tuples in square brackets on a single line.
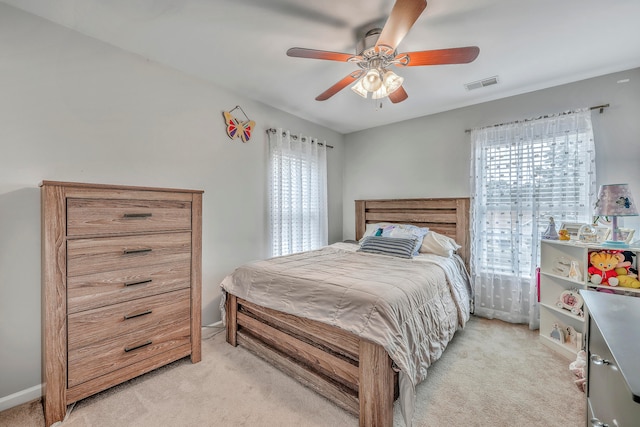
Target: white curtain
[(297, 193), (523, 173)]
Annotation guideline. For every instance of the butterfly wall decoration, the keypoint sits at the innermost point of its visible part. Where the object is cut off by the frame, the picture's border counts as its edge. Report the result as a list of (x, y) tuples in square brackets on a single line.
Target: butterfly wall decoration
[(237, 128)]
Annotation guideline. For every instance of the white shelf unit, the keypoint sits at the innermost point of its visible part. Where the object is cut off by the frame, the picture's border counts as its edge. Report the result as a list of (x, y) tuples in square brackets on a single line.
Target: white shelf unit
[(552, 284)]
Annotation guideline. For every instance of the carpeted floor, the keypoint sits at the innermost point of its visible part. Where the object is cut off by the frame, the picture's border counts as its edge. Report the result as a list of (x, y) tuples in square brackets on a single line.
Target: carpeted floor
[(492, 374)]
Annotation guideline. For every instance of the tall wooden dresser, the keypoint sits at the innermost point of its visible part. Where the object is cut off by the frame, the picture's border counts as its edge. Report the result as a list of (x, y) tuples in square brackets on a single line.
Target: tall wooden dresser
[(121, 285)]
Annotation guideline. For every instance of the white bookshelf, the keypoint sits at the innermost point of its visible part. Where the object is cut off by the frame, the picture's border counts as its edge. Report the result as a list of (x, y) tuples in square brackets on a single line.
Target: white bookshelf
[(553, 283)]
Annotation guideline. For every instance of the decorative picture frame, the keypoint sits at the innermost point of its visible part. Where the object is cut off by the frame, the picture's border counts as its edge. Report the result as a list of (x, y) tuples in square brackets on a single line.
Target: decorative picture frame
[(626, 234), (572, 228), (572, 301), (602, 233), (584, 232)]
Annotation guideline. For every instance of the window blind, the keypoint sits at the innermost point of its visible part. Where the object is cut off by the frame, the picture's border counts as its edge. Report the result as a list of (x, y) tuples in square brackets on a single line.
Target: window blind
[(297, 194)]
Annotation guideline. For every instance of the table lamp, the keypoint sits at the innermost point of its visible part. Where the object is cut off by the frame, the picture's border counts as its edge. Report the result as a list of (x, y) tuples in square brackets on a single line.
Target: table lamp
[(615, 200)]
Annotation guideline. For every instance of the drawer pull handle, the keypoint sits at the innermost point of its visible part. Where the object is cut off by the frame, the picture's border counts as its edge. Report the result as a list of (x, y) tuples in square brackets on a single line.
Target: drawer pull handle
[(132, 316), (137, 215), (597, 360), (136, 251), (142, 282), (135, 347), (597, 423)]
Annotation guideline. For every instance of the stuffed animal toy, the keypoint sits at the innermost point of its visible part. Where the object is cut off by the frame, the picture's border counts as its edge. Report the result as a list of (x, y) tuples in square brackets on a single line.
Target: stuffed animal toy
[(602, 269), (578, 367), (626, 277), (564, 235), (630, 263)]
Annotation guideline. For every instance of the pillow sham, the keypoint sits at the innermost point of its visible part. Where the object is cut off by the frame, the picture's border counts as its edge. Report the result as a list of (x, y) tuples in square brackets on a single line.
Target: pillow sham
[(393, 246), (435, 243), (372, 228), (406, 231)]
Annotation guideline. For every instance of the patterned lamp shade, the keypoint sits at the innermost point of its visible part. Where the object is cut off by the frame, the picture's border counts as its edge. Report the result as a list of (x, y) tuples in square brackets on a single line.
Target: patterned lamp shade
[(615, 200)]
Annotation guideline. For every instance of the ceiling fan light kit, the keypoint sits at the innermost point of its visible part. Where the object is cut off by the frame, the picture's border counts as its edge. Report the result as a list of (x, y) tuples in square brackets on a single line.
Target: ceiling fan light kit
[(381, 83), (376, 52)]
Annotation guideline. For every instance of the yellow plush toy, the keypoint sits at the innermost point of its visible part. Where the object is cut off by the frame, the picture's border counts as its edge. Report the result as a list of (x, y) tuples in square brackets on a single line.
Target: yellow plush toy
[(626, 278), (564, 235)]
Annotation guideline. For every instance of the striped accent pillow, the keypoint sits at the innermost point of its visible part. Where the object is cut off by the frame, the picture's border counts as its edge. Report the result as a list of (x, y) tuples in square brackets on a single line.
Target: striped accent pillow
[(401, 248)]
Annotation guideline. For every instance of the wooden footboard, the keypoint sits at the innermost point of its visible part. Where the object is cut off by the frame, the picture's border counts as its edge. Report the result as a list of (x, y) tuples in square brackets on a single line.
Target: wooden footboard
[(353, 373)]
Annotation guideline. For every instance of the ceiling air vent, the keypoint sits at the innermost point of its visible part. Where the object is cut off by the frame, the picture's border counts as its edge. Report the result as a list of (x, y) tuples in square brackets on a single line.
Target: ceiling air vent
[(482, 83)]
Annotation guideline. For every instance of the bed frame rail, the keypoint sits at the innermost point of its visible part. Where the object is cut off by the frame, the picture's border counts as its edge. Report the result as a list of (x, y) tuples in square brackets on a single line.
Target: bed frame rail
[(353, 373)]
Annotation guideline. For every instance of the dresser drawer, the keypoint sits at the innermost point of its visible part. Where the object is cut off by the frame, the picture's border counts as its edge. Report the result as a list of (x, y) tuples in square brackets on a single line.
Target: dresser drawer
[(109, 338), (101, 254), (100, 289), (112, 216)]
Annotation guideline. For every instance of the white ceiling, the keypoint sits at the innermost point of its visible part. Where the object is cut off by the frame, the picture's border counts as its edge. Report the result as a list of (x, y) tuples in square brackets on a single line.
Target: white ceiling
[(241, 45)]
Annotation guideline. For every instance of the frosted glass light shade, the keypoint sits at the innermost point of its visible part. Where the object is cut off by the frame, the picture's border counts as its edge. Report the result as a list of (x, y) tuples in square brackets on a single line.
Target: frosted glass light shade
[(372, 81), (359, 89), (380, 93), (391, 81)]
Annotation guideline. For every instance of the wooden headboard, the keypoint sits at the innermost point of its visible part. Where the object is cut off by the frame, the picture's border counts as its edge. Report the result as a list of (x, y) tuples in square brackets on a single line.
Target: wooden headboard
[(448, 216)]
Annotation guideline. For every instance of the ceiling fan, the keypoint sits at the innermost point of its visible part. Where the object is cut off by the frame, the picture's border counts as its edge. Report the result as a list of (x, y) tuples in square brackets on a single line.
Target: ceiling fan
[(376, 52)]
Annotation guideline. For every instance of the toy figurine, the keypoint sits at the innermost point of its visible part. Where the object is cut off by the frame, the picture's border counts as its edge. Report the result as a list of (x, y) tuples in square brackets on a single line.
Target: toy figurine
[(557, 333), (564, 234), (550, 233), (574, 271)]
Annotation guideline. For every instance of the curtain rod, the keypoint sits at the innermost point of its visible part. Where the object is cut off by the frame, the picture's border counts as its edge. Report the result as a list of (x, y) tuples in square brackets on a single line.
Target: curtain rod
[(597, 107), (295, 137)]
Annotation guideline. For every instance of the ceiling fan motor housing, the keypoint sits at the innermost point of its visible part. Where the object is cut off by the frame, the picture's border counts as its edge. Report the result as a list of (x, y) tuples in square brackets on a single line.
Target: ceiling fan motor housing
[(368, 41), (368, 56)]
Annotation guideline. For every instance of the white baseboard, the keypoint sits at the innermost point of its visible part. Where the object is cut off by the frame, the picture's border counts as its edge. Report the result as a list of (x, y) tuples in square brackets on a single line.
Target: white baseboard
[(23, 396), (35, 392)]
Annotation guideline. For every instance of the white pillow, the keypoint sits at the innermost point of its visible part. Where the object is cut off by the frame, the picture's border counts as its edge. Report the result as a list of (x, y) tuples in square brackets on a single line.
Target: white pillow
[(435, 243)]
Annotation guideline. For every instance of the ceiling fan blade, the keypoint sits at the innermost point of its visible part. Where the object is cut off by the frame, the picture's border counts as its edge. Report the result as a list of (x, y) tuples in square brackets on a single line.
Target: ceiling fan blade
[(340, 85), (403, 15), (300, 52), (398, 95), (458, 55)]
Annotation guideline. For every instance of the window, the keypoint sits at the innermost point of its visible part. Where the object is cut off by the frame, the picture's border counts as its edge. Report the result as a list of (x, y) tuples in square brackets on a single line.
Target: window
[(523, 174), (297, 193)]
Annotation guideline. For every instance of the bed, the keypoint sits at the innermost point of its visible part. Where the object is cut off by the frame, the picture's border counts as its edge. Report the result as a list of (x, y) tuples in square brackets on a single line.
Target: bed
[(351, 364)]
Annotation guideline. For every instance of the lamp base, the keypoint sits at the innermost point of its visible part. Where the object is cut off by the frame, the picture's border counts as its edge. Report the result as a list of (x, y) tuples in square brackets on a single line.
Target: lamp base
[(615, 244)]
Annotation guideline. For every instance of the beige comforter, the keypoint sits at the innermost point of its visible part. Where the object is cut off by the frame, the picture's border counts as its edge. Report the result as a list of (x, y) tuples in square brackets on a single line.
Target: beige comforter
[(412, 307)]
